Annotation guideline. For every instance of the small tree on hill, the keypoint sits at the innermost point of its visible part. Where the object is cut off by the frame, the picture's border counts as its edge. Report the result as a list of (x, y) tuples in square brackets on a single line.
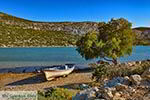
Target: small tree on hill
[(114, 40)]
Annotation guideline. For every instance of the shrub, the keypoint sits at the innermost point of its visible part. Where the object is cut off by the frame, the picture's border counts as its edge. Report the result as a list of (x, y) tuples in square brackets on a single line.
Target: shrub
[(56, 94), (110, 71)]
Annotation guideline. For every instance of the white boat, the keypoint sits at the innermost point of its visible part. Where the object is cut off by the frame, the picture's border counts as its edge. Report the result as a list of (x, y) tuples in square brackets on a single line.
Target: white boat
[(51, 73)]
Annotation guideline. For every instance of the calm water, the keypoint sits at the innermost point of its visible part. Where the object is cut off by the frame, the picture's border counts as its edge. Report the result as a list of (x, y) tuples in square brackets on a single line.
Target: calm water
[(12, 57)]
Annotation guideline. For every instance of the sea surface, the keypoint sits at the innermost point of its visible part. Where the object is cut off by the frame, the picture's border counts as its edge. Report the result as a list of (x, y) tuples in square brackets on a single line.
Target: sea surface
[(18, 57)]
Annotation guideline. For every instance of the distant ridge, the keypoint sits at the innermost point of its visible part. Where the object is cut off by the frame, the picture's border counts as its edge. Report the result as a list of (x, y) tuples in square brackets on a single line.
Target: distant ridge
[(142, 28)]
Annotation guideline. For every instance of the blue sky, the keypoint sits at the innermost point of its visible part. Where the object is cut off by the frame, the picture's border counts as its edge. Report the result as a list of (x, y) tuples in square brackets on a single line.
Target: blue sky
[(136, 11)]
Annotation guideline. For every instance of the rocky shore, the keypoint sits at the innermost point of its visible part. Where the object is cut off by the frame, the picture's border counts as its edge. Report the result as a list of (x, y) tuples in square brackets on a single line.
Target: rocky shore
[(133, 87)]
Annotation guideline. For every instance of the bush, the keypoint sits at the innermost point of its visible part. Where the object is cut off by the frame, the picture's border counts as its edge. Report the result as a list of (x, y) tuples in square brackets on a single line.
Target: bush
[(109, 71), (100, 72), (56, 94)]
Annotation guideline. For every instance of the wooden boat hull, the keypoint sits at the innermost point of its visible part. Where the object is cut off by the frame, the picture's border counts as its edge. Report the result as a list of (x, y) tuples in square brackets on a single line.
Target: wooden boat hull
[(51, 74)]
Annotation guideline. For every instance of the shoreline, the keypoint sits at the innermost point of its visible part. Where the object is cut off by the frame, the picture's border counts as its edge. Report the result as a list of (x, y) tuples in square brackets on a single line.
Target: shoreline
[(73, 46), (79, 67), (36, 81), (38, 47)]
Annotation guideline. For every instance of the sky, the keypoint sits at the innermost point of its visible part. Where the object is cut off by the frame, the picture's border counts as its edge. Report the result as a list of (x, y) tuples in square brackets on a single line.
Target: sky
[(135, 11)]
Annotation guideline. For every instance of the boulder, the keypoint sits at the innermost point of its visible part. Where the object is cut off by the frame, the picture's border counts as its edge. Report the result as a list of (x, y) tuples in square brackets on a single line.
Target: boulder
[(118, 98), (107, 94), (126, 80), (146, 74), (136, 79), (115, 81), (138, 62), (84, 86), (117, 94), (87, 94), (121, 87), (131, 63)]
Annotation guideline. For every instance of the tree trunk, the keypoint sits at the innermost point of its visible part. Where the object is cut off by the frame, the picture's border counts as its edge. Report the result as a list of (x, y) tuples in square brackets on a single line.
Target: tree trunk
[(115, 61)]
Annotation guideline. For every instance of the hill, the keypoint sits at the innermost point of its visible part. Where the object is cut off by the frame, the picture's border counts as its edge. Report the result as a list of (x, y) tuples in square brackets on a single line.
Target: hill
[(142, 29), (142, 35), (19, 32), (69, 27)]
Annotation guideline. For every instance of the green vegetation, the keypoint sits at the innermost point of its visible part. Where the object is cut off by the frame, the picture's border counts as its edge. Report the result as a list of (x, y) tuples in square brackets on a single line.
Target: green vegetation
[(103, 71), (7, 17), (20, 32), (15, 36), (113, 40), (56, 94), (145, 42), (142, 28)]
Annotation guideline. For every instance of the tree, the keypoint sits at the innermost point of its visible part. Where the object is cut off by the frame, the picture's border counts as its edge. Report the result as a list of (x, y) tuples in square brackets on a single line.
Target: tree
[(112, 41)]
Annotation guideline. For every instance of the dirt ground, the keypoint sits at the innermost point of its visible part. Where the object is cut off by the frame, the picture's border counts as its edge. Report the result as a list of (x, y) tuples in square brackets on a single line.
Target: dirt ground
[(37, 81)]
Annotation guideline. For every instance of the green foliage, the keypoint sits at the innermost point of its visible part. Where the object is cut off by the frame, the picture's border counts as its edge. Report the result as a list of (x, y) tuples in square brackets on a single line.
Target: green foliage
[(56, 94), (100, 72), (15, 36), (110, 71), (113, 40)]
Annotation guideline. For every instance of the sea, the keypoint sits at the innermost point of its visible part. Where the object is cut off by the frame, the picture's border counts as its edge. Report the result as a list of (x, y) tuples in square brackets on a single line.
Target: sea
[(47, 56)]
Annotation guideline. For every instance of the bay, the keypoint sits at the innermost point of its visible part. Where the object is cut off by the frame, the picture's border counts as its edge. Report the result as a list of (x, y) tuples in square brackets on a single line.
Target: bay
[(12, 57)]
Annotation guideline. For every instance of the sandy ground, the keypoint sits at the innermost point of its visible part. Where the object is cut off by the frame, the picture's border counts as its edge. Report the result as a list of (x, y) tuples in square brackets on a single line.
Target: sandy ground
[(37, 81)]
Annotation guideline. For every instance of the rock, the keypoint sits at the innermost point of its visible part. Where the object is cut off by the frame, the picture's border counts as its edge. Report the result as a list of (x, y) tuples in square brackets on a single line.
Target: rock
[(121, 87), (126, 80), (87, 94), (146, 74), (115, 81), (136, 79), (118, 98), (138, 62), (117, 94), (107, 94), (131, 63), (146, 96), (84, 86)]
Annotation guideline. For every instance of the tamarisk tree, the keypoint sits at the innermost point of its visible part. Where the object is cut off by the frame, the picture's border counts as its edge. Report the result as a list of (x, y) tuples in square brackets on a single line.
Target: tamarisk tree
[(112, 41)]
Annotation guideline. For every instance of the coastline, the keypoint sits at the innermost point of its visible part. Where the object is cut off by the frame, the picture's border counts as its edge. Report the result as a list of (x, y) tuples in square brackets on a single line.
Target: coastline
[(38, 46), (36, 81)]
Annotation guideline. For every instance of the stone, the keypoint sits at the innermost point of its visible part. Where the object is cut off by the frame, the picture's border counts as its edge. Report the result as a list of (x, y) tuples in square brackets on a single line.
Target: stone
[(126, 80), (84, 86), (146, 74), (138, 62), (121, 87), (146, 96), (115, 81), (87, 94), (135, 79), (131, 63), (117, 94), (118, 98), (107, 94)]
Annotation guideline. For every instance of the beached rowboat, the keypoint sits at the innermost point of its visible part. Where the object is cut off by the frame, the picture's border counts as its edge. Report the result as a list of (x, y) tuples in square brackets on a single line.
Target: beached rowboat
[(52, 73)]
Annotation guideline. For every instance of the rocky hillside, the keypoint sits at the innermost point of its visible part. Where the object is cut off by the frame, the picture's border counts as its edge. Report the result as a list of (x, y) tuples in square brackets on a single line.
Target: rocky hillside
[(69, 27), (142, 35), (20, 32)]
